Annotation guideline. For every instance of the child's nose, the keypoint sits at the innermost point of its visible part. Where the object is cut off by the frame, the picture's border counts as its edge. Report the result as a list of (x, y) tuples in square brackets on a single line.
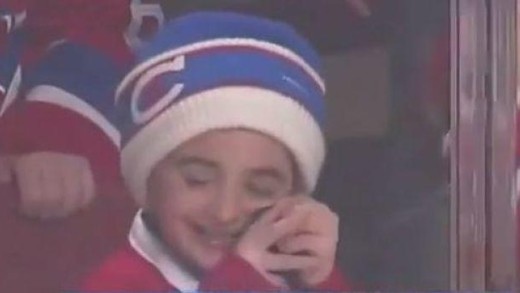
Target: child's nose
[(226, 208)]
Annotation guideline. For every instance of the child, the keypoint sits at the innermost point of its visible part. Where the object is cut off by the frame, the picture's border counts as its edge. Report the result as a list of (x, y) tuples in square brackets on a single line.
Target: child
[(221, 148)]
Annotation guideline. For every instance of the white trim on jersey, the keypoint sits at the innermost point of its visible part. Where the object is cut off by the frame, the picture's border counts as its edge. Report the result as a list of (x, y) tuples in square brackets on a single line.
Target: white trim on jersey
[(155, 252)]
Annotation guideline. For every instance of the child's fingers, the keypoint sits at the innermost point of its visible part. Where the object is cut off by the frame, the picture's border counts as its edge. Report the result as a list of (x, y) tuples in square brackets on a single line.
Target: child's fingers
[(321, 220), (277, 211), (304, 243), (265, 232), (287, 225), (284, 262)]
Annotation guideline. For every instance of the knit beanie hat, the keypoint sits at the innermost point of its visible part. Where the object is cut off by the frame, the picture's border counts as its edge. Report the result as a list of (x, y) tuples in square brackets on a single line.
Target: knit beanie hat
[(220, 70)]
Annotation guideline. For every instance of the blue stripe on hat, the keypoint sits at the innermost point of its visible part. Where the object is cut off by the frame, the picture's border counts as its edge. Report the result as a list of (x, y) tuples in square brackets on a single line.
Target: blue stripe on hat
[(202, 26), (228, 66)]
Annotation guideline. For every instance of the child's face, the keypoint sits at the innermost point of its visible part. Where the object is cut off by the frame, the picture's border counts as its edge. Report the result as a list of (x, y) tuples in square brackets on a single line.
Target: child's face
[(206, 192)]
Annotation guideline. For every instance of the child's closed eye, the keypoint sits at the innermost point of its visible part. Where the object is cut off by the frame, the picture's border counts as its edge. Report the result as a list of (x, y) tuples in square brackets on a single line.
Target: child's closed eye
[(263, 187), (198, 176)]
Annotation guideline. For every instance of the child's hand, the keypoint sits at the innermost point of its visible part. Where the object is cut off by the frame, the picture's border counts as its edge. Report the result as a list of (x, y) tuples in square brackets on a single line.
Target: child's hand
[(255, 246), (316, 238)]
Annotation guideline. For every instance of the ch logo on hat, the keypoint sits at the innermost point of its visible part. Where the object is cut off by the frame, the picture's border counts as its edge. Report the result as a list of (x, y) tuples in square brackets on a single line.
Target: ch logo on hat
[(143, 116)]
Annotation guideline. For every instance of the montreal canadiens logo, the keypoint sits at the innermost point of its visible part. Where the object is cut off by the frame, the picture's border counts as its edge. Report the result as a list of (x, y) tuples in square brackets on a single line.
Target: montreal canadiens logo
[(147, 93)]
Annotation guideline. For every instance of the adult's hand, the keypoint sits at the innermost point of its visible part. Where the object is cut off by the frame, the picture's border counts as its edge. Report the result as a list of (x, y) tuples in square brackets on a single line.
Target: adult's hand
[(53, 185)]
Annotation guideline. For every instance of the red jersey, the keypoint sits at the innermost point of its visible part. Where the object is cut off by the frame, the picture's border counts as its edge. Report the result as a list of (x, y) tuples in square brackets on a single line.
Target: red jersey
[(144, 265)]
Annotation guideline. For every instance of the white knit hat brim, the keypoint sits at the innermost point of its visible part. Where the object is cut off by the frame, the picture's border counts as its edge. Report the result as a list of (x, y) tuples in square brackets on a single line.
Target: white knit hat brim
[(259, 109)]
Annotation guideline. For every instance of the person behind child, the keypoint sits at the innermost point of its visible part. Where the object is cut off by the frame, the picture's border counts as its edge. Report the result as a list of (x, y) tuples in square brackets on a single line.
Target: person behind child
[(58, 75), (222, 145)]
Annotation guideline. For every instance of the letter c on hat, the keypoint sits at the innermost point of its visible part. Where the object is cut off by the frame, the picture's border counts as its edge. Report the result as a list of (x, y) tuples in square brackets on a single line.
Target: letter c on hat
[(141, 117)]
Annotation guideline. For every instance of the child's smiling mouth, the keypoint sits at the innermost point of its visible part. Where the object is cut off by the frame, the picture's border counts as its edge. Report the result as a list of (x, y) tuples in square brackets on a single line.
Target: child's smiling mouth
[(219, 240), (224, 239)]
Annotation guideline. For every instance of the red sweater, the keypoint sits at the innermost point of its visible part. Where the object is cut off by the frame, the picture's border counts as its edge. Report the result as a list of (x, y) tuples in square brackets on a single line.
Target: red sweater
[(143, 266), (127, 271)]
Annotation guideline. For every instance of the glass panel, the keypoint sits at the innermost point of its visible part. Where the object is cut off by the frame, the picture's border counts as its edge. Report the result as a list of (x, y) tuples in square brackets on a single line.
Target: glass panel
[(469, 153), (502, 245)]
